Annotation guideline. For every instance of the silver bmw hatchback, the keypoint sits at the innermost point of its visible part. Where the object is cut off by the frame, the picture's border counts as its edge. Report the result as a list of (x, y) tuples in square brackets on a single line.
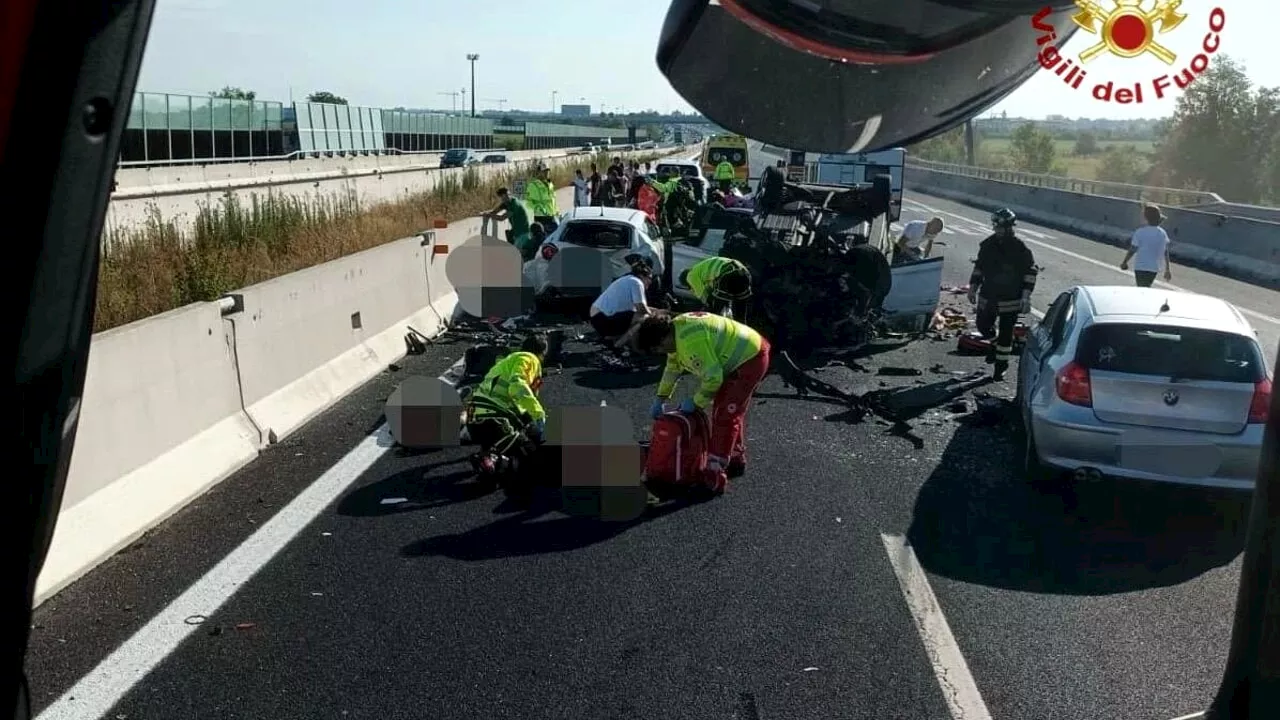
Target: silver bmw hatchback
[(1146, 384)]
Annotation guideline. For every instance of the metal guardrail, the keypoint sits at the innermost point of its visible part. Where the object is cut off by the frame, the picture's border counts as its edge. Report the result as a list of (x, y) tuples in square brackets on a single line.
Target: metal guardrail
[(1171, 197), (318, 154), (295, 155)]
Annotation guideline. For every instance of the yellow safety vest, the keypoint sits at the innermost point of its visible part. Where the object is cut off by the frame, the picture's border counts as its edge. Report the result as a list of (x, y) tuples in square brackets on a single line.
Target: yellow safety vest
[(541, 197), (508, 388), (725, 171), (704, 274), (708, 347)]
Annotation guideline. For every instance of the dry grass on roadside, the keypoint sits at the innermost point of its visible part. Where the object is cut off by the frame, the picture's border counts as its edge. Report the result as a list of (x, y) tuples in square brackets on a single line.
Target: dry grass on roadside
[(157, 267)]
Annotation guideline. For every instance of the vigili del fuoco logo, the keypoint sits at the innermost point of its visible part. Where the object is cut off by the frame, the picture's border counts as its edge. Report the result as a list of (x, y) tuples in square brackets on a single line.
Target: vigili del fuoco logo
[(1129, 30)]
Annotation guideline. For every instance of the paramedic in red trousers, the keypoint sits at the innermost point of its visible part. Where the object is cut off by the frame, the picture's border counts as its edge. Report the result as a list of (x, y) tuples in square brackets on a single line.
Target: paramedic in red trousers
[(729, 360)]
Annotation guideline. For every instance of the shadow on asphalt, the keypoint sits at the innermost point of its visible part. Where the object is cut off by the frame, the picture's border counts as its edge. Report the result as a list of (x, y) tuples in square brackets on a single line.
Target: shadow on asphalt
[(977, 520), (519, 535), (599, 379), (418, 488)]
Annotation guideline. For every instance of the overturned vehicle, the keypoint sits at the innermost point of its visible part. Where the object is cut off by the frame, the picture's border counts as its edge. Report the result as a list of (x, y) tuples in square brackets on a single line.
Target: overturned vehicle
[(818, 257)]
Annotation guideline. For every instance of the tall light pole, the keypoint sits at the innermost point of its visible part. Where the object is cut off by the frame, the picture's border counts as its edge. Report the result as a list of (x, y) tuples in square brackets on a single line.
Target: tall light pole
[(472, 58), (554, 93)]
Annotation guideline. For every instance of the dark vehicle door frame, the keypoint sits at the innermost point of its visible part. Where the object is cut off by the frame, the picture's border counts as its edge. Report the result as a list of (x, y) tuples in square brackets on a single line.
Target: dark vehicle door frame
[(67, 76)]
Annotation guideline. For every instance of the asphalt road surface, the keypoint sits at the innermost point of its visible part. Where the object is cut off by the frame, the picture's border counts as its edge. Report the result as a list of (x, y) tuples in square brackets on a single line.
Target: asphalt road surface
[(849, 574)]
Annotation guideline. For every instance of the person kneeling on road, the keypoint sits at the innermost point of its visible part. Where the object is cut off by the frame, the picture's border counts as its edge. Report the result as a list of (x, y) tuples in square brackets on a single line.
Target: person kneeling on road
[(718, 282), (503, 414), (614, 315), (729, 359), (1004, 276)]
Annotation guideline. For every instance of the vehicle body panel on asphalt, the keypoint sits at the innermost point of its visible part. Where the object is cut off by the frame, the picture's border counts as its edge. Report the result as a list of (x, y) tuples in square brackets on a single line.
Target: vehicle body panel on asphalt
[(1146, 384)]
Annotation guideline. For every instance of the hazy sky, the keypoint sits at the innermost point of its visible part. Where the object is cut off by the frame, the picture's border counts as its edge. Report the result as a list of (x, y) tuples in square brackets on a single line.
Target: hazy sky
[(400, 52)]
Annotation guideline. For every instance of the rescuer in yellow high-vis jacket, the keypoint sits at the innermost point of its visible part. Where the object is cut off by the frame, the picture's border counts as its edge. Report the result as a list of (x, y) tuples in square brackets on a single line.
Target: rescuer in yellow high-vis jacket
[(540, 195), (717, 282), (729, 360), (725, 174), (504, 416)]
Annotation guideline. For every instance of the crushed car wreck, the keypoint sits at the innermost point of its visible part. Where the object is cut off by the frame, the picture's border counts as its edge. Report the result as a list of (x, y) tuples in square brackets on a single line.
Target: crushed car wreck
[(819, 262)]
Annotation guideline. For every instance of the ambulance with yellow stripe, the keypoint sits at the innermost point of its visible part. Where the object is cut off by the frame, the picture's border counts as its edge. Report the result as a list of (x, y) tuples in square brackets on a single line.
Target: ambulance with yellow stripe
[(732, 148)]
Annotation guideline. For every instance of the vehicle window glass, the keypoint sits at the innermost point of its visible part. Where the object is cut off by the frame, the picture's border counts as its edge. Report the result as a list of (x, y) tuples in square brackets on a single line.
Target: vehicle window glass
[(598, 235), (652, 230), (1065, 311), (1053, 313), (712, 241), (1183, 353)]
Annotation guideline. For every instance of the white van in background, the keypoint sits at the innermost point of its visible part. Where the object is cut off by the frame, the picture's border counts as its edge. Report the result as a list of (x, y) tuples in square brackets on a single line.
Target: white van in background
[(850, 168)]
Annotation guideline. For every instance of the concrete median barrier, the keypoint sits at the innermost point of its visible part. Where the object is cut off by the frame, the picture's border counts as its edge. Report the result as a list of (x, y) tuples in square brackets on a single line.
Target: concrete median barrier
[(160, 423), (179, 202), (1244, 248)]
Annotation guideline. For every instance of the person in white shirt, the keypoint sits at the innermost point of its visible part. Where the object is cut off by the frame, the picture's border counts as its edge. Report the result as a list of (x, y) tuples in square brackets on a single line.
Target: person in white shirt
[(1147, 248), (581, 196), (914, 234), (615, 315)]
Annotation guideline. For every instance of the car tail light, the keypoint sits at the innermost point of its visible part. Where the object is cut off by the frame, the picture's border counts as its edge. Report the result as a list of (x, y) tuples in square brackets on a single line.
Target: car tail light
[(1073, 385), (1260, 406), (549, 251)]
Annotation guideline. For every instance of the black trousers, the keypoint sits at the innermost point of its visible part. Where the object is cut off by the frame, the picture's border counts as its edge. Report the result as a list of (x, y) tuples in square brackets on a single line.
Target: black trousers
[(612, 327), (990, 323), (1144, 278), (496, 434)]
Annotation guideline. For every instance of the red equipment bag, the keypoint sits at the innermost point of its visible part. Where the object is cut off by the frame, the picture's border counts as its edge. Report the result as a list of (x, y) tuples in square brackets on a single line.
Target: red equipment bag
[(972, 342), (678, 449)]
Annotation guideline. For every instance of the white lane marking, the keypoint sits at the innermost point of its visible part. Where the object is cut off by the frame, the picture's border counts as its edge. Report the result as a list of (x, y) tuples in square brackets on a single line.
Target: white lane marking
[(1192, 716), (95, 694), (1113, 268), (958, 688)]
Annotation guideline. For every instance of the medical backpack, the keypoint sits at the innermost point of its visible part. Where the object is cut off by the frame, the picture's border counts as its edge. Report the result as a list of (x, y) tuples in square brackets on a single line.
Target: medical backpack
[(678, 449)]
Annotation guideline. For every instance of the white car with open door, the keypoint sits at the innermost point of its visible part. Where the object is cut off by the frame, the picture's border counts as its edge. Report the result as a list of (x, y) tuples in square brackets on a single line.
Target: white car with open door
[(589, 250), (1145, 384)]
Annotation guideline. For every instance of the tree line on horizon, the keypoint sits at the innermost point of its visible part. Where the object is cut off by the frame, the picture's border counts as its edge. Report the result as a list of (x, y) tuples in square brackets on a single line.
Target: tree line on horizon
[(1223, 136)]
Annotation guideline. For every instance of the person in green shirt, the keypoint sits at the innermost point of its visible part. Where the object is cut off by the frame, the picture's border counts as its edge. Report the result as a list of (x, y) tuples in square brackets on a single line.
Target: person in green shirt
[(512, 210)]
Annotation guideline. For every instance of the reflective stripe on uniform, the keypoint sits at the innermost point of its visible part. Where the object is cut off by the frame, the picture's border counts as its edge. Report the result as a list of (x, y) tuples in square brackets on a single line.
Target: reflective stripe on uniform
[(705, 274), (709, 347), (507, 386)]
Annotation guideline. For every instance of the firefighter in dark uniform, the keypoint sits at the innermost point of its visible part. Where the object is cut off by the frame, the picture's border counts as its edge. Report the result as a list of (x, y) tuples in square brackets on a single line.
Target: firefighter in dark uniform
[(1004, 276)]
